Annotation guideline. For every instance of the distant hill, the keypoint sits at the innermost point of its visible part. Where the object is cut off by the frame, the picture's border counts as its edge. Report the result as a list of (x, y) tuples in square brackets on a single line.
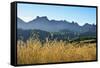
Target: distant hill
[(43, 23), (44, 28), (42, 35)]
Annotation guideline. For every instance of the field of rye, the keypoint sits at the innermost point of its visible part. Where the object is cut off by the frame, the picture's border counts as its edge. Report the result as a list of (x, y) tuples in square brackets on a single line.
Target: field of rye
[(35, 52)]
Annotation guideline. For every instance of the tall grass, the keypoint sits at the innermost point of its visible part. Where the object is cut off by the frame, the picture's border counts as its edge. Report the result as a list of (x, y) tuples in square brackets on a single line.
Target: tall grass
[(33, 51)]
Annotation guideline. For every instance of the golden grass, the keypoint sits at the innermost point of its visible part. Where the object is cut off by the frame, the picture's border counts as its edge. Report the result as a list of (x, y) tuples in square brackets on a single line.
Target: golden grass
[(33, 52)]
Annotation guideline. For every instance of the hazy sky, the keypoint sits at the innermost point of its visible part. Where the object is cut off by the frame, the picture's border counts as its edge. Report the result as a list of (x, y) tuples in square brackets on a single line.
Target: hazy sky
[(81, 15)]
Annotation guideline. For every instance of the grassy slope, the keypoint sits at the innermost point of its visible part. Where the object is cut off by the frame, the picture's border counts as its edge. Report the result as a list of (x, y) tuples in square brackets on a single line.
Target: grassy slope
[(33, 52)]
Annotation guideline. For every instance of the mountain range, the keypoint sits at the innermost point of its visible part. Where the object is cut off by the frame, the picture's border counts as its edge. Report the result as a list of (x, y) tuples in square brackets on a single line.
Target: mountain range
[(43, 27), (43, 23)]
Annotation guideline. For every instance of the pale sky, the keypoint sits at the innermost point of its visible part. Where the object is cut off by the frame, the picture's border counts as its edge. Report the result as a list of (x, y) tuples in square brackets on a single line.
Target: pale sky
[(81, 15)]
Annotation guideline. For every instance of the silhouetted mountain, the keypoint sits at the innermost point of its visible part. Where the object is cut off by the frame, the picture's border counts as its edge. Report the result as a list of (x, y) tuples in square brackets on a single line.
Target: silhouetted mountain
[(62, 29), (43, 23), (21, 24), (88, 27)]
